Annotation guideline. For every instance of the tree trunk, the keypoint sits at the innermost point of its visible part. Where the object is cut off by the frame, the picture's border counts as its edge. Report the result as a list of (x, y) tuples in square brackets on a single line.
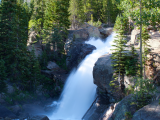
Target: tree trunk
[(141, 39)]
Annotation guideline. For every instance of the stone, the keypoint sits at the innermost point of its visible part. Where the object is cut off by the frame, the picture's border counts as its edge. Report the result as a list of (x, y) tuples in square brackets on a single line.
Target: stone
[(134, 36), (15, 109), (148, 112), (93, 31), (47, 73), (53, 66), (95, 110), (105, 32), (103, 72), (2, 98), (127, 104), (38, 48), (32, 38), (108, 112), (129, 81), (76, 48), (7, 118), (4, 112), (39, 117), (81, 34), (10, 89)]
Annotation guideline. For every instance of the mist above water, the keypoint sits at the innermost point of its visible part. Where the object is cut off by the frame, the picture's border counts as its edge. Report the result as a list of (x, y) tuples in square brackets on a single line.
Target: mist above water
[(79, 91)]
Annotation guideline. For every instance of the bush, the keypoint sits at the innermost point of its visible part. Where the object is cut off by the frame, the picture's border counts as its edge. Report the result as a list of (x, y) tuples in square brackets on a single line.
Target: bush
[(95, 24), (143, 91)]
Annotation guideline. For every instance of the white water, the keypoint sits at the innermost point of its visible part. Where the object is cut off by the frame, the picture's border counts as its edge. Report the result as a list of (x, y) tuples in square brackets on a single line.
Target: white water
[(79, 91)]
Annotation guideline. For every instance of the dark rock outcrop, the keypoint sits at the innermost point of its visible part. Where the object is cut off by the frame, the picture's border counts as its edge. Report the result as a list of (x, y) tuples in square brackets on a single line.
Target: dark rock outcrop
[(76, 48)]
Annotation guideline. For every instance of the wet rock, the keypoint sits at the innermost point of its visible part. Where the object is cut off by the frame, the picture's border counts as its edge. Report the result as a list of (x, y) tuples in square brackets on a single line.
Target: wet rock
[(53, 66), (105, 32), (39, 117), (76, 49)]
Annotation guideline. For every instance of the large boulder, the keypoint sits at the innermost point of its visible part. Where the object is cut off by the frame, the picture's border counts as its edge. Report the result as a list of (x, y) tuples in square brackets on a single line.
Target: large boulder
[(81, 34), (10, 89), (103, 72), (53, 66), (93, 31), (39, 117), (76, 48), (148, 112), (120, 110), (134, 36), (38, 48), (32, 38)]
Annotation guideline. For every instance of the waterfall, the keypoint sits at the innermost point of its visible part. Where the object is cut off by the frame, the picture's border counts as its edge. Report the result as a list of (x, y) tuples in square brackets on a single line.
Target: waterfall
[(79, 91)]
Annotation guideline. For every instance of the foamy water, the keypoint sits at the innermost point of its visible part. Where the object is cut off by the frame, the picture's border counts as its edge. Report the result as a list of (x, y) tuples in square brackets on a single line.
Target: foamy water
[(79, 91)]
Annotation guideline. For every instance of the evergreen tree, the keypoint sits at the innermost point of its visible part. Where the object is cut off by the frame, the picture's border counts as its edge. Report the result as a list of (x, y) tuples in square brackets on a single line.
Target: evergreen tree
[(13, 41), (118, 55), (56, 21), (37, 18), (76, 13), (145, 47)]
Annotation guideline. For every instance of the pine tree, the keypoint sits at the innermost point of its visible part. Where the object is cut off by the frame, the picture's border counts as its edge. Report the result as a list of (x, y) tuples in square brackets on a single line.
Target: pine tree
[(118, 55), (13, 41), (145, 47), (38, 17), (56, 20), (76, 13)]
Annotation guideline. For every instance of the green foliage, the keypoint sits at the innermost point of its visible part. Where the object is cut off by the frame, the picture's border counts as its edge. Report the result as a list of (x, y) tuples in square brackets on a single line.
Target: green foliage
[(51, 87), (121, 25), (128, 115), (109, 12), (96, 24), (3, 76), (77, 16), (131, 63), (43, 60), (17, 96), (143, 91), (118, 55)]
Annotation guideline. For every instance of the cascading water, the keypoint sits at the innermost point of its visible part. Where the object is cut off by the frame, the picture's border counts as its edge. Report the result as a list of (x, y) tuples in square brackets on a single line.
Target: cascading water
[(79, 91)]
